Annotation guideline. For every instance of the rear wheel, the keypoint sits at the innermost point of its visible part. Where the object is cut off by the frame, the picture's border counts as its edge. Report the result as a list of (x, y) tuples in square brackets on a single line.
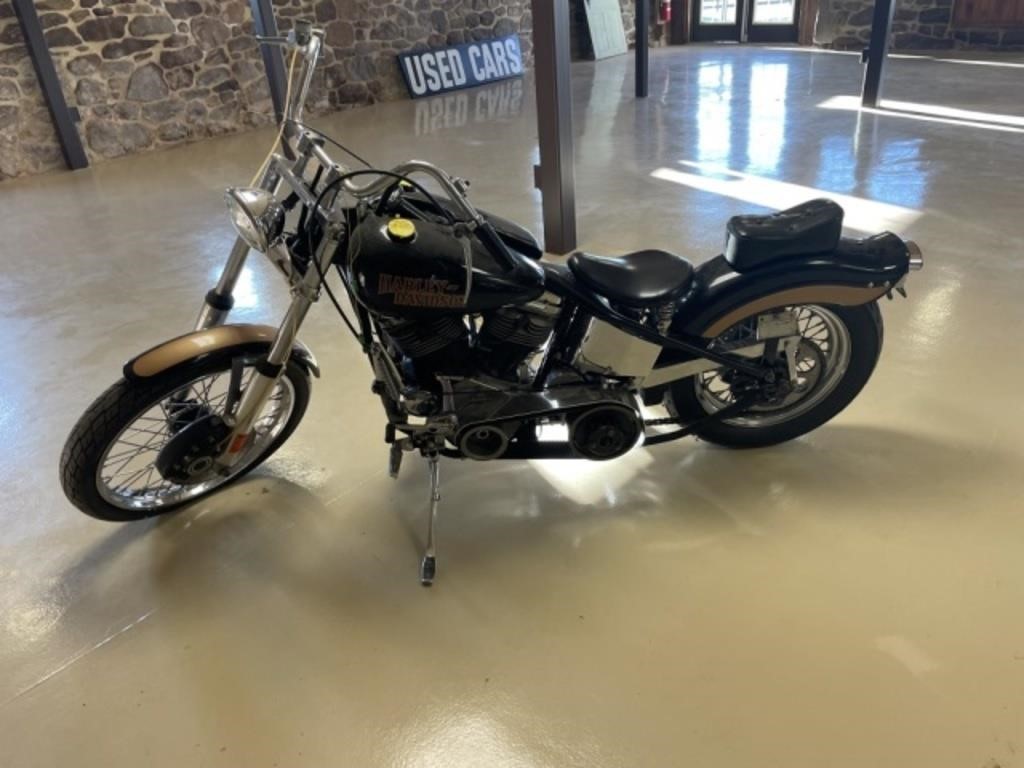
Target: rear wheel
[(146, 447), (836, 356)]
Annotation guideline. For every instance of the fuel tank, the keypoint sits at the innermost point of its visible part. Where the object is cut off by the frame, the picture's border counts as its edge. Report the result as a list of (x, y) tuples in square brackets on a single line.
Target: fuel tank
[(406, 268)]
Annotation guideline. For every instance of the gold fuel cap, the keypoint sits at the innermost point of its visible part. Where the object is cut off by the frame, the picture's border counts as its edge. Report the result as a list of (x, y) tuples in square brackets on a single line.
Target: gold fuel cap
[(401, 230)]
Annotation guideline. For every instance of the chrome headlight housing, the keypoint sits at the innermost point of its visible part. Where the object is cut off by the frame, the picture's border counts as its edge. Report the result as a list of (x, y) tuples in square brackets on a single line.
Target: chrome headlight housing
[(257, 216)]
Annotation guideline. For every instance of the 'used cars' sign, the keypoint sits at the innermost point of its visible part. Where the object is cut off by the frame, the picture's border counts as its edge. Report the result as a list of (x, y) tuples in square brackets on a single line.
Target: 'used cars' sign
[(461, 66)]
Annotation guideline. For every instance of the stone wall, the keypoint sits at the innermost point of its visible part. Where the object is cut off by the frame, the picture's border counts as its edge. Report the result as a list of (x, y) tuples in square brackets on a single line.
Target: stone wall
[(917, 25), (145, 74)]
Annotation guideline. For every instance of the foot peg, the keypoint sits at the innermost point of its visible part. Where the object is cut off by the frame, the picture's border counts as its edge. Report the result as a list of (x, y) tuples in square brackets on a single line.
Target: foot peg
[(428, 566)]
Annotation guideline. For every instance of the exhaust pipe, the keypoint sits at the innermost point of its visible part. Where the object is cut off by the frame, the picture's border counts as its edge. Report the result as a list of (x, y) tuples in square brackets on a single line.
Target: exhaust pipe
[(916, 256)]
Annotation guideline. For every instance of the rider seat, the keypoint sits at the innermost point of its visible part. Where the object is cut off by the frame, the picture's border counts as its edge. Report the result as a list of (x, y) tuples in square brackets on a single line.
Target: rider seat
[(639, 279), (811, 228)]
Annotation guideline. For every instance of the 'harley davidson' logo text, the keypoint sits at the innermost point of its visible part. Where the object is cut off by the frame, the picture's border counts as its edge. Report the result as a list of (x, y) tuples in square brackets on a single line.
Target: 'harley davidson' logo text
[(421, 291)]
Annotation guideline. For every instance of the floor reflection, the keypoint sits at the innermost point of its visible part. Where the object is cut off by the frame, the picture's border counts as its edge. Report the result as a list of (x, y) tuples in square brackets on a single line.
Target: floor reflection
[(862, 214), (714, 112), (931, 113), (766, 135), (486, 104)]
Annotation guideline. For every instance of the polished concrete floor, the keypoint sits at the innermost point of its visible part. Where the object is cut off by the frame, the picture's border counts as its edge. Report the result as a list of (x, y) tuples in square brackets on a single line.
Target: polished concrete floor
[(851, 599)]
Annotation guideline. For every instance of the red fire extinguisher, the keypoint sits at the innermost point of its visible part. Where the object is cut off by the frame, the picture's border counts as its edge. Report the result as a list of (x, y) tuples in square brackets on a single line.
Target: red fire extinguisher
[(664, 11)]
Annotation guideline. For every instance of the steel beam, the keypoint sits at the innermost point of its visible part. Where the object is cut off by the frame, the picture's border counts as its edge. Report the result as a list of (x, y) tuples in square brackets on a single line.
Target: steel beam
[(273, 60), (643, 46), (63, 118), (877, 53), (555, 176)]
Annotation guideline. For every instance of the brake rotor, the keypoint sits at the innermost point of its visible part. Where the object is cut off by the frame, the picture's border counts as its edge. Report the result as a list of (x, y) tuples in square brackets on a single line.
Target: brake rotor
[(190, 456), (810, 363)]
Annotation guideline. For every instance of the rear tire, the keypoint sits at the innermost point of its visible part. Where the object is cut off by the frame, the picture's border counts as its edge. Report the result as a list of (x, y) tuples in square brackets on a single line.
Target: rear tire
[(124, 404), (864, 330)]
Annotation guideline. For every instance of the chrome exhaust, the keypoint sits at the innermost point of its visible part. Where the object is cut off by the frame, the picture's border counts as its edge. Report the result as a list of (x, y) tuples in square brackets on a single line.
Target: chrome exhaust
[(916, 256)]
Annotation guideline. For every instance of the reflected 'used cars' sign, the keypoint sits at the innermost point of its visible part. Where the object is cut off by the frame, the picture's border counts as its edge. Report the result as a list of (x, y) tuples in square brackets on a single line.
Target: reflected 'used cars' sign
[(461, 66)]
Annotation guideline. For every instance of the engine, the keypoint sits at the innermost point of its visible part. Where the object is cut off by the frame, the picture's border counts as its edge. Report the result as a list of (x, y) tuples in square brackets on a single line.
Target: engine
[(414, 276), (426, 348), (509, 336), (493, 420), (501, 342), (447, 310)]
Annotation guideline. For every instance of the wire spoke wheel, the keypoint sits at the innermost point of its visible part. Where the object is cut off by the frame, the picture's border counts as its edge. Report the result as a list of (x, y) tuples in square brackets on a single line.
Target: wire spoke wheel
[(147, 446), (127, 475), (821, 360), (828, 366)]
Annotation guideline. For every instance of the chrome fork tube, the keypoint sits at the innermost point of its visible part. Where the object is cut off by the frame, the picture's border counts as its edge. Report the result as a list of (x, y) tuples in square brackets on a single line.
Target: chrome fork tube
[(269, 371), (220, 298), (264, 379)]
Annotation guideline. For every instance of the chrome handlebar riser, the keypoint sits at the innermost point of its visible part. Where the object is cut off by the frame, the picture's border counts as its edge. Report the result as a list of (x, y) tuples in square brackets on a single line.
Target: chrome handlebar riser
[(308, 41)]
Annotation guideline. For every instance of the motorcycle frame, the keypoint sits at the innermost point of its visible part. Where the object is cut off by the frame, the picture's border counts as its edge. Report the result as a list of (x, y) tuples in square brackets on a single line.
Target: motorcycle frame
[(300, 148)]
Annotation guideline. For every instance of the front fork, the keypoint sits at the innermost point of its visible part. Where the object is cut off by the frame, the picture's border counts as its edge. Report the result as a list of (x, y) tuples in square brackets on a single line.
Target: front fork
[(220, 299), (216, 308)]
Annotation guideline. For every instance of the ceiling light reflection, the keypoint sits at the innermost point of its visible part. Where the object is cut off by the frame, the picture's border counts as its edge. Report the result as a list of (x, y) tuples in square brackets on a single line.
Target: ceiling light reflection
[(953, 112), (766, 134), (861, 214), (714, 105), (930, 113), (937, 59), (970, 62)]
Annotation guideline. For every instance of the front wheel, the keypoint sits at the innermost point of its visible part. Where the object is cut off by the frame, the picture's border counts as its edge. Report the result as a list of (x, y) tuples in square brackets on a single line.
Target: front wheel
[(838, 350), (125, 458)]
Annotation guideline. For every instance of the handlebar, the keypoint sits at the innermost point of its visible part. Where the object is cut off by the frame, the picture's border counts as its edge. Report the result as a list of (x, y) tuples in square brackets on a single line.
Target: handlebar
[(451, 187), (492, 241), (298, 37), (305, 39)]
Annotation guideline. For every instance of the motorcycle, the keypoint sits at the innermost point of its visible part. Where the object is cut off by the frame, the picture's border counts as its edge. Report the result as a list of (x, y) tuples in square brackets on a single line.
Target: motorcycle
[(479, 348)]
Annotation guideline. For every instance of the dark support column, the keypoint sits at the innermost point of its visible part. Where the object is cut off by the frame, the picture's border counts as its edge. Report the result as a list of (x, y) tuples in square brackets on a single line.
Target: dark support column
[(877, 52), (63, 118), (273, 60), (555, 176), (679, 28), (643, 46)]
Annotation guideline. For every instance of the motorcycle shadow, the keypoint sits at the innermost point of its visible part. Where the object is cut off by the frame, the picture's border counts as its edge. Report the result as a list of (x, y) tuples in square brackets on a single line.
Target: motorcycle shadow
[(694, 490), (270, 532)]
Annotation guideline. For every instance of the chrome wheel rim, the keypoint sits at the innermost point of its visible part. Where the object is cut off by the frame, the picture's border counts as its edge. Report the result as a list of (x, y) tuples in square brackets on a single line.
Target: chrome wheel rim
[(823, 358), (127, 477)]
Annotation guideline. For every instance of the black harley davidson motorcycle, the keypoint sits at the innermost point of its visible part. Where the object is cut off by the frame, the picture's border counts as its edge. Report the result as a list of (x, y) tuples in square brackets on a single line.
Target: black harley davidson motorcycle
[(478, 345)]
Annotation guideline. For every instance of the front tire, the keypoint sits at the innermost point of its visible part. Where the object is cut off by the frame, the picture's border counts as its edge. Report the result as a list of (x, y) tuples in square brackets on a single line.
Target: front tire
[(859, 328), (134, 420)]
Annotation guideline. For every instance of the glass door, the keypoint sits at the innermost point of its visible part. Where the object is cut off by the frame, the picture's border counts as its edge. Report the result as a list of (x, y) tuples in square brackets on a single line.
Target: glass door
[(740, 21), (773, 21), (716, 20)]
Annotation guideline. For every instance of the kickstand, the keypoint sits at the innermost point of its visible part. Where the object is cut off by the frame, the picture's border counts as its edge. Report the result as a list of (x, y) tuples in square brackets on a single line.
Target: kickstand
[(428, 566)]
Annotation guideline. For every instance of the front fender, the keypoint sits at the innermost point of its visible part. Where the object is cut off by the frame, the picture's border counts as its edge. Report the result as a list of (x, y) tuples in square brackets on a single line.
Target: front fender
[(857, 272), (246, 339)]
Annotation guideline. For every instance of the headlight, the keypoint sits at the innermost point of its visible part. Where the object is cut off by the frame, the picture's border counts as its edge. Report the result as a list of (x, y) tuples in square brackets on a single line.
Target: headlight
[(257, 216)]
